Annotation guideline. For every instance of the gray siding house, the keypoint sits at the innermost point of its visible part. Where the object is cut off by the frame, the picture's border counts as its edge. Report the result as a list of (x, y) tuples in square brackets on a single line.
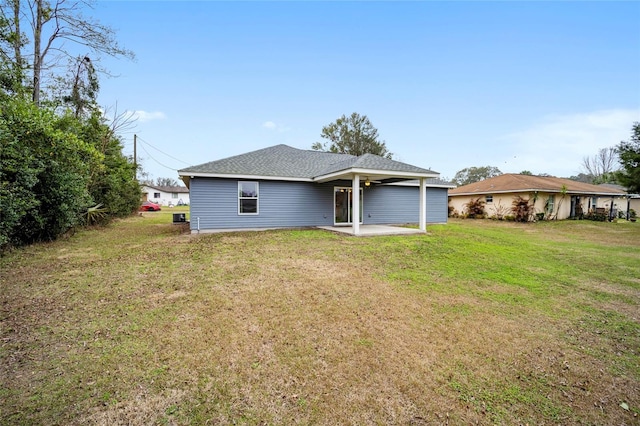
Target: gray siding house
[(285, 187)]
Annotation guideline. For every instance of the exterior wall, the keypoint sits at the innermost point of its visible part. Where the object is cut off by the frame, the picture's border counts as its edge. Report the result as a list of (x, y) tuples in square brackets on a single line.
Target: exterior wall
[(503, 203), (619, 204), (214, 205), (399, 204), (166, 198), (281, 204)]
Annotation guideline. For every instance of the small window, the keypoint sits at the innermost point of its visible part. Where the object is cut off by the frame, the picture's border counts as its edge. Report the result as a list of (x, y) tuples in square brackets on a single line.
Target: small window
[(156, 195), (247, 197), (489, 198), (174, 195)]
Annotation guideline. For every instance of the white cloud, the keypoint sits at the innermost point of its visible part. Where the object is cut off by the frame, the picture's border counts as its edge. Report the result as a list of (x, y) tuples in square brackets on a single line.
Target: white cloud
[(558, 144), (144, 116), (273, 126)]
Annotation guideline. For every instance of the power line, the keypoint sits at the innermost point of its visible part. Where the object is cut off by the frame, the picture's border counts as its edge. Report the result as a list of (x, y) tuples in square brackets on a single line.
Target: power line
[(150, 156), (162, 152)]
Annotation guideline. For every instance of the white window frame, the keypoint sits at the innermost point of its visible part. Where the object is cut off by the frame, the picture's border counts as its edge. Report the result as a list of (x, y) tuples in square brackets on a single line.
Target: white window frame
[(257, 198), (488, 199)]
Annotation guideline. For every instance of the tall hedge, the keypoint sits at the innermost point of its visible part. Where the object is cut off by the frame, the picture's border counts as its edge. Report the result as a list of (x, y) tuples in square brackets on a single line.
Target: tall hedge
[(44, 175)]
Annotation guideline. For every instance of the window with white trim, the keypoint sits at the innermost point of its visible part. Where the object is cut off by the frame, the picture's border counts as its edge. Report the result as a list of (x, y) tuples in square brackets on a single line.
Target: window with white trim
[(489, 199), (247, 197), (156, 195), (174, 195)]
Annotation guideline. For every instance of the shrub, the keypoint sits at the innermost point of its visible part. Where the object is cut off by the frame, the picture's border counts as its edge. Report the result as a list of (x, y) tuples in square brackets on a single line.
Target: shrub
[(598, 217), (499, 211), (521, 208), (44, 175), (475, 209)]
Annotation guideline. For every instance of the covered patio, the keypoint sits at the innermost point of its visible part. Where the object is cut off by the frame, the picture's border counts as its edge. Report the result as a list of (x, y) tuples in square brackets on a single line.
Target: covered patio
[(371, 169)]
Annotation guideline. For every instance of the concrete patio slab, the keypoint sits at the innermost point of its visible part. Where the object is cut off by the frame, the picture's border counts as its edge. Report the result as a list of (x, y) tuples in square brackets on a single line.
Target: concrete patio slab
[(373, 230)]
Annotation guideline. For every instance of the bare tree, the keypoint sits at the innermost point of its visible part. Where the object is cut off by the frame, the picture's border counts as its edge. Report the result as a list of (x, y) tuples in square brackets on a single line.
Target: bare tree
[(53, 24), (602, 165)]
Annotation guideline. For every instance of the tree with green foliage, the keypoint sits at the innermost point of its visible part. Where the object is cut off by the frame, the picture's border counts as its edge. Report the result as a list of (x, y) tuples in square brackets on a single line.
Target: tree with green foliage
[(353, 135), (475, 174), (112, 182), (629, 155)]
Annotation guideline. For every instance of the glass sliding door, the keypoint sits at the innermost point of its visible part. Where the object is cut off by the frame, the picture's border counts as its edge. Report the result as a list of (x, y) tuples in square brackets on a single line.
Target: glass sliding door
[(343, 205)]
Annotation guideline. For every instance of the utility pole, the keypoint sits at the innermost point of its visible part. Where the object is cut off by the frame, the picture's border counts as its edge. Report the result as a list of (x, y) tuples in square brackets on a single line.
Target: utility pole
[(135, 155)]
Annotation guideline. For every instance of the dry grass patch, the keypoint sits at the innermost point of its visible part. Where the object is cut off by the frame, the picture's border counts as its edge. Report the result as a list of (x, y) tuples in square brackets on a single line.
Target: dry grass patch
[(470, 324)]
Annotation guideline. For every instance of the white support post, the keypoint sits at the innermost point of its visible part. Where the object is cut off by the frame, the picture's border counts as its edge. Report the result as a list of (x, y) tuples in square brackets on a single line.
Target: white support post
[(423, 204), (355, 211)]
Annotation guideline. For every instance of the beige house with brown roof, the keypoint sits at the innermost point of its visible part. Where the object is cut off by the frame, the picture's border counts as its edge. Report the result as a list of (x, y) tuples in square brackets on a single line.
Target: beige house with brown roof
[(553, 198)]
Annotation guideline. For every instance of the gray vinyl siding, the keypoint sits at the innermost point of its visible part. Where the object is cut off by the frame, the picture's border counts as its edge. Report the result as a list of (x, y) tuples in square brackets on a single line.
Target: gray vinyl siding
[(281, 204), (437, 205), (399, 204)]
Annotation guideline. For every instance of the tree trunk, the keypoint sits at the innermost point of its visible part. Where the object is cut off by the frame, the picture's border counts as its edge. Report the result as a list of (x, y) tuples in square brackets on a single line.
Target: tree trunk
[(37, 54), (17, 46)]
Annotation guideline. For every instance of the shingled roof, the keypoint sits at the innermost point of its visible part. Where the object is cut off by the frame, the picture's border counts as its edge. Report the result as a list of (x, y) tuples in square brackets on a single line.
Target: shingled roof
[(283, 161), (509, 182)]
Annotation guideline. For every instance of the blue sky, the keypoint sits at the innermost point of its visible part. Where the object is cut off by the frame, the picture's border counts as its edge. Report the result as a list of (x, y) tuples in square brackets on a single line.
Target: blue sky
[(517, 85)]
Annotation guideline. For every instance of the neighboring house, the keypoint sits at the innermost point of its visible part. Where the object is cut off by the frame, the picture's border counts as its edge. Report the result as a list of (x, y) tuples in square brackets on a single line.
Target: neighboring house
[(166, 195), (284, 187), (553, 198), (624, 203)]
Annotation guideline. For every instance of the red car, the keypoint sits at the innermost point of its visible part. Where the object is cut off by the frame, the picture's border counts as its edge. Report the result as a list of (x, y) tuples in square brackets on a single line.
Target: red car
[(148, 206)]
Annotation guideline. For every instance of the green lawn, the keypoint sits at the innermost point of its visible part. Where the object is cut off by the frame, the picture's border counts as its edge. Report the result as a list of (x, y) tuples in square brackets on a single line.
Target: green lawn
[(477, 322)]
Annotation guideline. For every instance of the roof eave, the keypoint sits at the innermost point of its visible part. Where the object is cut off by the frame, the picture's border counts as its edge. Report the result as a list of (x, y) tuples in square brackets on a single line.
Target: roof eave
[(430, 185), (242, 176), (555, 191), (348, 174)]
